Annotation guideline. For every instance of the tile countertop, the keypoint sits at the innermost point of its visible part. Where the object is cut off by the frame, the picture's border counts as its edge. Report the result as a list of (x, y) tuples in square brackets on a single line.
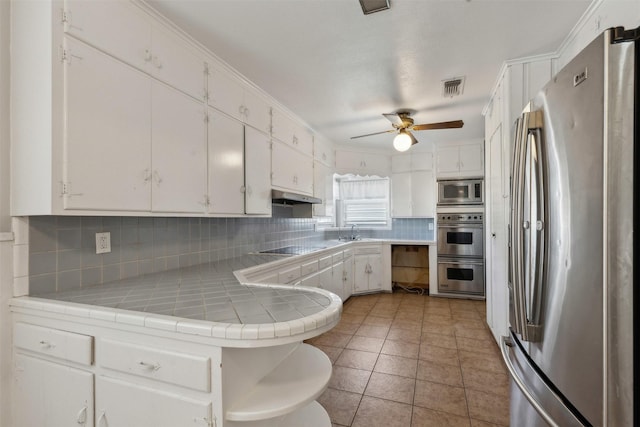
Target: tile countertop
[(207, 299)]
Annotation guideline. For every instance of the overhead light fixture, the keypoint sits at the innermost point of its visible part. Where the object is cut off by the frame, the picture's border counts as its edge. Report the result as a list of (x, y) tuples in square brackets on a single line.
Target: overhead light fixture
[(372, 6), (403, 140)]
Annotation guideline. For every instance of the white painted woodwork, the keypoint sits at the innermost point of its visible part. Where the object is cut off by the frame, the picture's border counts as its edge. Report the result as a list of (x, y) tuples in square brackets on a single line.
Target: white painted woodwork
[(107, 153), (337, 283), (226, 164), (311, 280), (228, 94), (347, 271), (325, 278), (322, 188), (460, 161), (296, 381), (122, 403), (422, 160), (179, 155), (72, 347), (176, 63), (324, 262), (115, 27), (257, 172), (291, 169), (186, 370), (401, 194), (291, 132), (323, 151), (309, 267), (401, 163), (368, 268), (47, 394), (364, 163), (413, 194)]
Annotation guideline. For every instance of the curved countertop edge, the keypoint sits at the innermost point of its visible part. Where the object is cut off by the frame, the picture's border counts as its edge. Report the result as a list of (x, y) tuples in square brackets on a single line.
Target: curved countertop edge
[(223, 334)]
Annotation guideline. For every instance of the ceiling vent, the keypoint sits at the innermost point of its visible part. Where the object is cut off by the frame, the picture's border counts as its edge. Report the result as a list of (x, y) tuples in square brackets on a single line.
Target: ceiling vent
[(372, 6), (452, 87)]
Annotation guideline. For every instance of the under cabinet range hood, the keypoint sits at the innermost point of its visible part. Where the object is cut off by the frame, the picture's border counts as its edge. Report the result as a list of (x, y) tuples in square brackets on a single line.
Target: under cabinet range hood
[(289, 198)]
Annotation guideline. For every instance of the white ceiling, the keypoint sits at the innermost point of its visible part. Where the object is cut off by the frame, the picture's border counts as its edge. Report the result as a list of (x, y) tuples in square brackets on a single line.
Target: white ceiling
[(339, 70)]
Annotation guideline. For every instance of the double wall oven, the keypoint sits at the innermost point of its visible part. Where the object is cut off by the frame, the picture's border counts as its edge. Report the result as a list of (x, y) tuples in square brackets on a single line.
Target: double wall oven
[(461, 241)]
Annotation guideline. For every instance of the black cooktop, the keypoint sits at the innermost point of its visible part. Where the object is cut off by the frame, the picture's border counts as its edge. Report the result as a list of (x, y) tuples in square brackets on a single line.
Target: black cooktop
[(293, 250)]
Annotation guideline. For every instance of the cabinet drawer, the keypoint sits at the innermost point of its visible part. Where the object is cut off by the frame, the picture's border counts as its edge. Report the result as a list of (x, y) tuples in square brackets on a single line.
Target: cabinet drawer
[(325, 262), (69, 346), (365, 250), (175, 368), (347, 253), (308, 268), (288, 275)]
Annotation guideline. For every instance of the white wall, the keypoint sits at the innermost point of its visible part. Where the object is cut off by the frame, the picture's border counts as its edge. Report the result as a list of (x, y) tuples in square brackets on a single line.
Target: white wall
[(602, 14), (6, 247)]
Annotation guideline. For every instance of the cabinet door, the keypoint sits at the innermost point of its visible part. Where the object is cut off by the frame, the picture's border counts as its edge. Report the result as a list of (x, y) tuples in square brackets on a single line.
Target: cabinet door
[(313, 280), (337, 286), (471, 160), (401, 194), (226, 164), (448, 161), (422, 161), (225, 92), (375, 272), (257, 111), (120, 403), (115, 27), (176, 63), (107, 153), (423, 202), (325, 279), (290, 169), (179, 155), (347, 285), (360, 273), (257, 172), (323, 189), (37, 396), (323, 151)]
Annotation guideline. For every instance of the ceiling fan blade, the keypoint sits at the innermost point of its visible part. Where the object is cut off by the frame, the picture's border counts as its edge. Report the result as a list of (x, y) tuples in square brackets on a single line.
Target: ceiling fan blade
[(376, 133), (414, 141), (394, 118), (441, 125)]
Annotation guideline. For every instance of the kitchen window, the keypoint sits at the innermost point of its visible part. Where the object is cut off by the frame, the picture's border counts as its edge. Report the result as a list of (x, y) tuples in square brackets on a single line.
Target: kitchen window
[(363, 201)]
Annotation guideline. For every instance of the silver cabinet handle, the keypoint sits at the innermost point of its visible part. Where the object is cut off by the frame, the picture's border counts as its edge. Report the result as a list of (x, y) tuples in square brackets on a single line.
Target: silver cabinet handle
[(149, 365), (505, 346), (102, 421), (81, 418)]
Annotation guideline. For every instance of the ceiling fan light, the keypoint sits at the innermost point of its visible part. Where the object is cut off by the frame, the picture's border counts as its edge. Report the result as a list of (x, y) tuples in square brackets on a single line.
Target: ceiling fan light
[(402, 141)]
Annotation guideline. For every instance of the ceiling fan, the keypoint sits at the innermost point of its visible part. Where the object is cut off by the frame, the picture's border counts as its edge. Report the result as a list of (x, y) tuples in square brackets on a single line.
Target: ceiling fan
[(403, 124)]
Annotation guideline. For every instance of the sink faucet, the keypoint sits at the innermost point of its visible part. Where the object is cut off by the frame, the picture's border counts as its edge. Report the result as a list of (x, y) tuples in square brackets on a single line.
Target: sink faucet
[(354, 236)]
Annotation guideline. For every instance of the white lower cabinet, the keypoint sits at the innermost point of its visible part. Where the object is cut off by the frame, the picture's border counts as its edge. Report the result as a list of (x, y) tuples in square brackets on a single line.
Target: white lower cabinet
[(368, 269), (122, 403), (37, 397)]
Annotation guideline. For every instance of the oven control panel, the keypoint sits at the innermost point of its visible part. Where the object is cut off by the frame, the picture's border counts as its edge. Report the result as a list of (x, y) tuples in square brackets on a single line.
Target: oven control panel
[(468, 218)]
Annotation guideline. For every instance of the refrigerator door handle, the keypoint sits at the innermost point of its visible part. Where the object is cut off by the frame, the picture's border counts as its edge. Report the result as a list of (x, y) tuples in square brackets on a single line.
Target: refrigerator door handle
[(505, 347)]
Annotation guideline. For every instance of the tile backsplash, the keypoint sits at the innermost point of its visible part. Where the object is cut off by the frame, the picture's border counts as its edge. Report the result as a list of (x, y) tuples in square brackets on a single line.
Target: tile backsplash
[(62, 249)]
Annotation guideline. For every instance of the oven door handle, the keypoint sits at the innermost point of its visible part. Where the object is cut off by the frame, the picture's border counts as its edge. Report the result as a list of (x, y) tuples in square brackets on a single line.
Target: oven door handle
[(458, 226)]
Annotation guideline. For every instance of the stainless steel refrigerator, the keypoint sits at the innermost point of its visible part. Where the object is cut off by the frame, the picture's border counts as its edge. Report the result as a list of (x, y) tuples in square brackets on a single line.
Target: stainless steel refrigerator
[(573, 330)]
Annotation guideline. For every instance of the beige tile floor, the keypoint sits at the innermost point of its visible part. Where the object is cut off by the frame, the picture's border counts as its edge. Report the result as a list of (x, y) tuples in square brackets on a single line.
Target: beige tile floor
[(412, 360)]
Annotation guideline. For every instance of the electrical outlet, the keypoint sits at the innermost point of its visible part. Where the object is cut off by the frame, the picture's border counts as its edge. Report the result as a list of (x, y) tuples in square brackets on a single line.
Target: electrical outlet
[(103, 243)]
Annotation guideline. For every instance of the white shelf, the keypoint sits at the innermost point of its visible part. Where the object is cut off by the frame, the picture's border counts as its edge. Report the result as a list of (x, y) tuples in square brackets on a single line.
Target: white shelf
[(292, 385)]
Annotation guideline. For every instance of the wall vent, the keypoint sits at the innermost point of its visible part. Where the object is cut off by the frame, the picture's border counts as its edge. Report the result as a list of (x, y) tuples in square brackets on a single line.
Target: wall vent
[(452, 87)]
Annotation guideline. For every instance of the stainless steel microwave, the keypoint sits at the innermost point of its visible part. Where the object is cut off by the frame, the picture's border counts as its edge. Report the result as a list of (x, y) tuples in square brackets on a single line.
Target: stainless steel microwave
[(460, 192)]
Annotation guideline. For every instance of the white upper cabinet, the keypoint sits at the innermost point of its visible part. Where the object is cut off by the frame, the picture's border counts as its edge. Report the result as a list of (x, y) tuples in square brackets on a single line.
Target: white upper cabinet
[(94, 22), (413, 194), (401, 194), (107, 145), (323, 151), (226, 164), (401, 163), (123, 31), (291, 169), (362, 163), (174, 62), (412, 162), (179, 155), (288, 130), (228, 94), (257, 172), (460, 161), (323, 189)]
